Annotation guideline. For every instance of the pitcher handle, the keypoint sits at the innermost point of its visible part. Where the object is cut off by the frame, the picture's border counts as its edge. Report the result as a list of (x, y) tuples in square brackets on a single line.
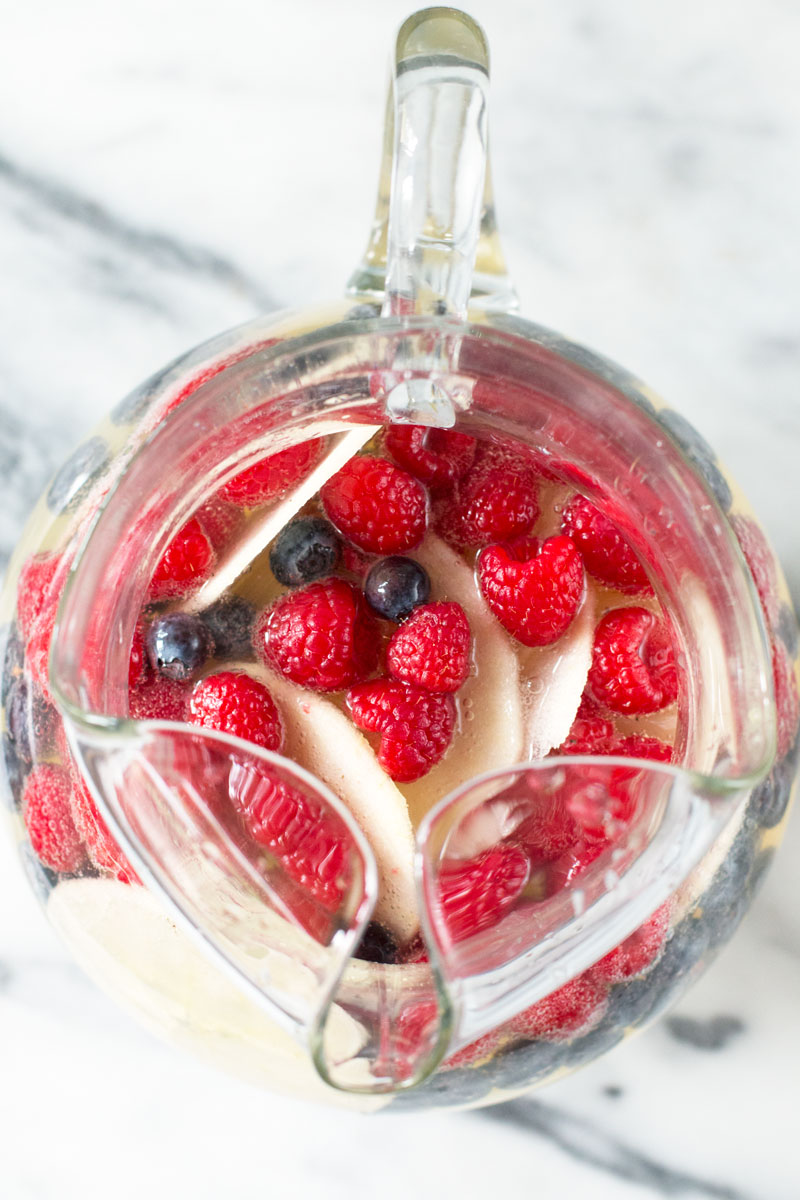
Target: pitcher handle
[(434, 247)]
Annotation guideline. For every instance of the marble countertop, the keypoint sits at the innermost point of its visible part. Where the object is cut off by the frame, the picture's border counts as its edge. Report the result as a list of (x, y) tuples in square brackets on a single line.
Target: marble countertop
[(170, 170)]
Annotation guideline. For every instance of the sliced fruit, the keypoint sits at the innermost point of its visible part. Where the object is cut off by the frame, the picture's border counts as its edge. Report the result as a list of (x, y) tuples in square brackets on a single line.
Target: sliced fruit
[(553, 678), (491, 727), (323, 740)]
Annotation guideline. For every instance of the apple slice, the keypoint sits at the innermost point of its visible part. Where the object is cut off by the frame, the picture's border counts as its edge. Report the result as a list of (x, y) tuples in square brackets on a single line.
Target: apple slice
[(491, 731), (322, 739), (554, 678)]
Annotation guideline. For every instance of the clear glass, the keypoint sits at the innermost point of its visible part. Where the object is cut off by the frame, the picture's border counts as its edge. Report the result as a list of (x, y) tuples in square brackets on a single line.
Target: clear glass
[(215, 943)]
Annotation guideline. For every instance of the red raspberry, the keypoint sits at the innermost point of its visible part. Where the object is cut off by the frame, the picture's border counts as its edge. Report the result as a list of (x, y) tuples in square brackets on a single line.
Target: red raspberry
[(497, 500), (35, 580), (185, 564), (412, 1029), (220, 522), (588, 732), (633, 665), (477, 1051), (103, 850), (48, 819), (232, 702), (637, 953), (476, 893), (636, 745), (158, 699), (310, 841), (549, 831), (377, 506), (564, 871), (761, 561), (431, 648), (416, 726), (534, 588), (572, 1009), (321, 636), (605, 553), (273, 476), (787, 704), (137, 664), (438, 457)]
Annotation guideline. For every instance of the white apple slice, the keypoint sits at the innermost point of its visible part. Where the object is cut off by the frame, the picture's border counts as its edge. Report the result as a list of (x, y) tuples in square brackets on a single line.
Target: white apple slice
[(491, 733), (554, 678), (323, 740)]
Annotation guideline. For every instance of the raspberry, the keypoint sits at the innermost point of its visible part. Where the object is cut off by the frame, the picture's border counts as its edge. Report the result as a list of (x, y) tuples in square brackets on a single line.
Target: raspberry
[(438, 457), (498, 499), (37, 650), (137, 664), (232, 702), (549, 831), (309, 841), (413, 1029), (633, 666), (564, 871), (571, 1009), (48, 819), (476, 893), (637, 953), (158, 699), (220, 522), (35, 580), (416, 726), (534, 588), (761, 561), (605, 553), (787, 704), (103, 850), (273, 476), (377, 506), (636, 745), (588, 732), (322, 637), (475, 1052), (431, 649), (185, 564)]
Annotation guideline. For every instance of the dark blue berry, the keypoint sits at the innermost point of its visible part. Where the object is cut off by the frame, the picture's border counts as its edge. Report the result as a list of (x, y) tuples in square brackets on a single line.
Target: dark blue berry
[(178, 645), (15, 772), (699, 454), (377, 945), (396, 585), (72, 482), (306, 549), (230, 622), (787, 629), (13, 657)]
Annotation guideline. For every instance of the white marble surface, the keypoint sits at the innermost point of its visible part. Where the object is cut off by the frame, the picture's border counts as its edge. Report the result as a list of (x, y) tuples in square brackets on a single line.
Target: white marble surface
[(168, 170)]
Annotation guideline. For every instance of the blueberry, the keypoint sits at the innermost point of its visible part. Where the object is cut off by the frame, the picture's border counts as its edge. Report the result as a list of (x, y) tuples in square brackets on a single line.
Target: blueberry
[(179, 644), (230, 622), (15, 772), (307, 548), (12, 655), (377, 945), (396, 585), (18, 720), (699, 454), (787, 629), (771, 798), (81, 470)]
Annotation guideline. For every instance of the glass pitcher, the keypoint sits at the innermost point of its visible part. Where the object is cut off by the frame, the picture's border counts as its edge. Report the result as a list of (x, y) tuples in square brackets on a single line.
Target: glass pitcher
[(477, 831)]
